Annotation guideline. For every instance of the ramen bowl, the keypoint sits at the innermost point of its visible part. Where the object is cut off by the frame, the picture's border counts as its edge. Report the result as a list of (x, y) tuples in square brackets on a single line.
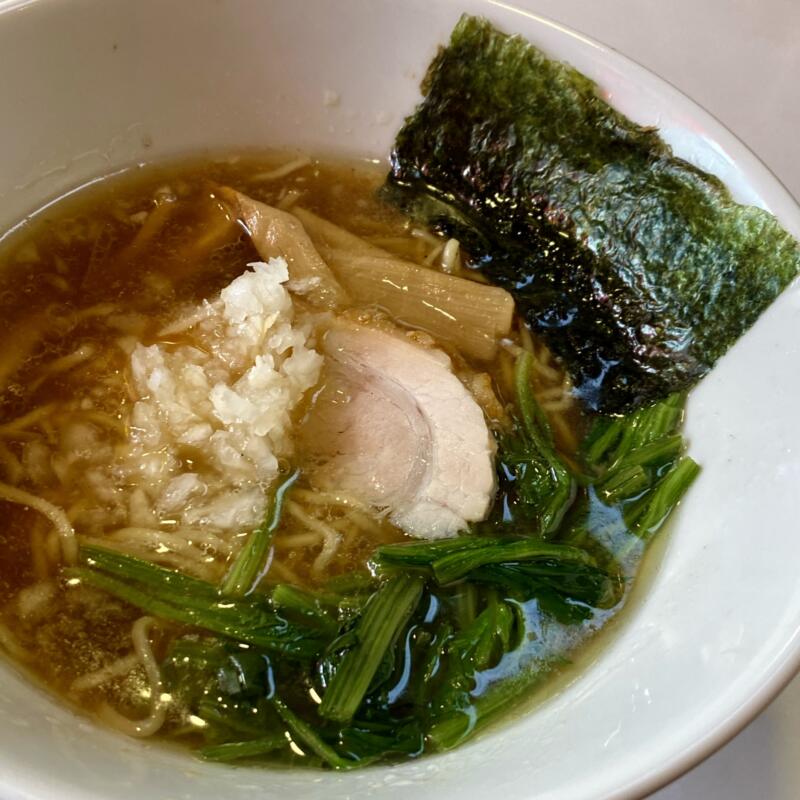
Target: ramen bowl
[(89, 88)]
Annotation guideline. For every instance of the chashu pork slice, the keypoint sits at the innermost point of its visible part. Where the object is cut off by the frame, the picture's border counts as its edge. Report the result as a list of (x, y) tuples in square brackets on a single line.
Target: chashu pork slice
[(396, 428)]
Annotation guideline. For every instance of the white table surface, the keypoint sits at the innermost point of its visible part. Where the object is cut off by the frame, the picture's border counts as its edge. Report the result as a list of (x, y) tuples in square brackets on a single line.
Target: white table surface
[(740, 59)]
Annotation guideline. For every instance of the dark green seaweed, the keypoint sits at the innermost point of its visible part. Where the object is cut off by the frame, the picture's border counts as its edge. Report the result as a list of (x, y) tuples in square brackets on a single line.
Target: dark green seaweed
[(637, 267)]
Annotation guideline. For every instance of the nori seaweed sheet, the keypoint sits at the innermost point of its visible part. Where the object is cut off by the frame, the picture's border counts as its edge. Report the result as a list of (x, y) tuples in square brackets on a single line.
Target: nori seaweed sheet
[(638, 268)]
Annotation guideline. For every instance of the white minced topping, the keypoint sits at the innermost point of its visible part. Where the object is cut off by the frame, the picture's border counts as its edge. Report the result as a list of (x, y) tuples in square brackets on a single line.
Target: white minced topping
[(212, 416)]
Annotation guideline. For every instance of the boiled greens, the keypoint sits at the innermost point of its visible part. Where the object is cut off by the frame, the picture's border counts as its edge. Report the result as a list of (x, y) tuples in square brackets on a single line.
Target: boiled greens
[(438, 637)]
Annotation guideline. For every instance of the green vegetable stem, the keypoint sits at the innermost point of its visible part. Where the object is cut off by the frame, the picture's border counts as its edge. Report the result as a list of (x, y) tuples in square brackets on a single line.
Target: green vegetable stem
[(252, 561)]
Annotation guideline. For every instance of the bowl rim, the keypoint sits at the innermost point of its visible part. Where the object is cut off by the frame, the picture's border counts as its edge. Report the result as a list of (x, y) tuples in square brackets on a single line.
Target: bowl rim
[(786, 663)]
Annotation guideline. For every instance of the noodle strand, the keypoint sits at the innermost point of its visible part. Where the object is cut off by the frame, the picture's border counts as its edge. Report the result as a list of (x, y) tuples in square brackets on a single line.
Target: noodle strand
[(143, 650), (56, 515)]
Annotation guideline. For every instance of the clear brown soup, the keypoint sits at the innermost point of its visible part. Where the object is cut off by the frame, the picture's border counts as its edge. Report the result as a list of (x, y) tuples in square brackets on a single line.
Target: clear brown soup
[(116, 260)]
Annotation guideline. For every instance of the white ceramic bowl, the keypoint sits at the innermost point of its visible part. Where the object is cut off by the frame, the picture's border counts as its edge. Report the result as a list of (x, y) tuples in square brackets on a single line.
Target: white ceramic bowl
[(91, 86)]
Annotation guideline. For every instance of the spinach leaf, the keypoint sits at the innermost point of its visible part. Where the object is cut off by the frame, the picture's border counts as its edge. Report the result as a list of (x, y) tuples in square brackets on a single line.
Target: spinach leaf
[(535, 486), (171, 595), (252, 561), (376, 631)]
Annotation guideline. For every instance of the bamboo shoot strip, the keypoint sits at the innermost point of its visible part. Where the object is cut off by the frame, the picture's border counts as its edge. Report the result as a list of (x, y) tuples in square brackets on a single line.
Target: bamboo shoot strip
[(384, 617), (252, 561), (217, 228), (278, 233), (471, 315), (153, 225), (108, 270)]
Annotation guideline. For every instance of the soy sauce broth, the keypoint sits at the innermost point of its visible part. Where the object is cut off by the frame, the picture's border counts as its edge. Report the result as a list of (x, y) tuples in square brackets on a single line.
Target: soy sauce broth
[(113, 262)]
